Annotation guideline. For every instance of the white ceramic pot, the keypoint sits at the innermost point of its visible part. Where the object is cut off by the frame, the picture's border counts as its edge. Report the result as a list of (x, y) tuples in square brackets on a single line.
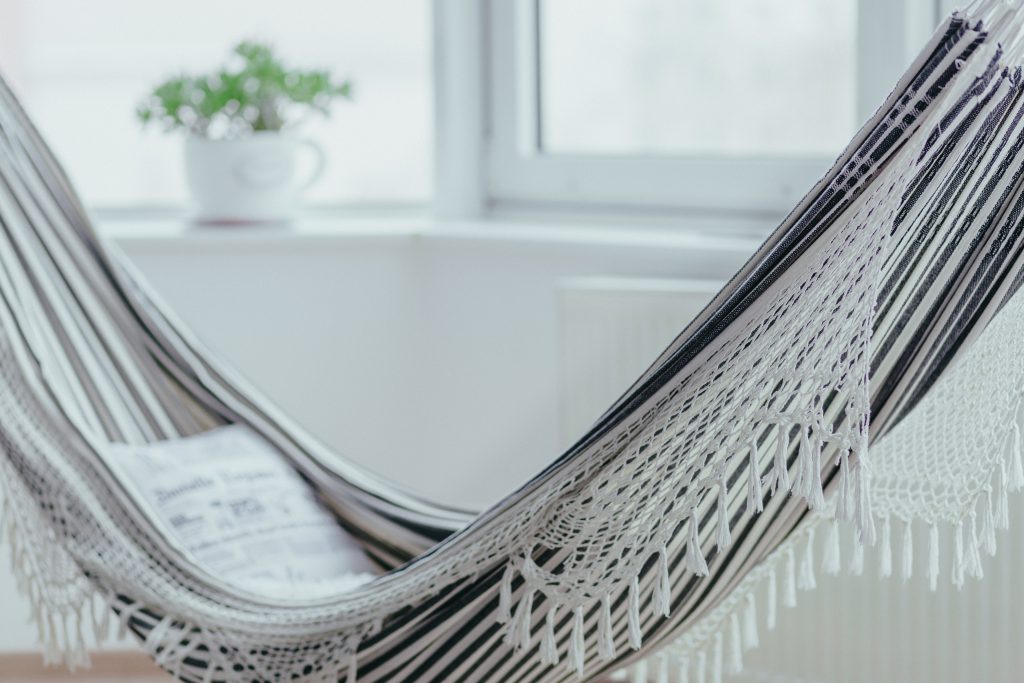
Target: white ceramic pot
[(254, 178)]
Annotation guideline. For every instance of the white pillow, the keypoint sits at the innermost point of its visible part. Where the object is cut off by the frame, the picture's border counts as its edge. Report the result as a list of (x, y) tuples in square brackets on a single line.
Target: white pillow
[(229, 501)]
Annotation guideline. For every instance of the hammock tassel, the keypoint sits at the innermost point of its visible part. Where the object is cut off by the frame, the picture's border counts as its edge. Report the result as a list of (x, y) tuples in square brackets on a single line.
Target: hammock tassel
[(51, 650), (805, 578), (988, 526), (972, 564), (635, 635), (750, 635), (735, 644), (505, 596), (933, 557), (843, 510), (1002, 499), (885, 551), (695, 561), (789, 582), (724, 537), (1016, 478), (773, 600), (36, 617), (518, 635), (857, 558), (780, 468), (663, 591), (605, 637), (831, 562), (79, 654), (548, 644), (640, 672), (815, 493), (702, 667), (100, 611), (577, 648), (908, 550), (958, 555), (865, 520), (803, 453), (6, 519), (755, 496)]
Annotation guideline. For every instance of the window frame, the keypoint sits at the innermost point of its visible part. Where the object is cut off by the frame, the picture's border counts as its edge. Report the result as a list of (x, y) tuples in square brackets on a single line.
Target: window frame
[(519, 174), (485, 104)]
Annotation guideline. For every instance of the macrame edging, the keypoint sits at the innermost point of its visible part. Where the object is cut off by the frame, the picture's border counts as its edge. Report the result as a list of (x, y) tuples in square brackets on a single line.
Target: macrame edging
[(69, 616), (852, 504), (72, 615), (715, 646)]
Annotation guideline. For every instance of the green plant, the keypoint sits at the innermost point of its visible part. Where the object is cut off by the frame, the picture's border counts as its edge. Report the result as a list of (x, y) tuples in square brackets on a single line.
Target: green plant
[(257, 93)]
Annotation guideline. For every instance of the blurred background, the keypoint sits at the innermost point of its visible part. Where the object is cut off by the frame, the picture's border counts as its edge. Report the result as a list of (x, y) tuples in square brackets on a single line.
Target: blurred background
[(523, 202)]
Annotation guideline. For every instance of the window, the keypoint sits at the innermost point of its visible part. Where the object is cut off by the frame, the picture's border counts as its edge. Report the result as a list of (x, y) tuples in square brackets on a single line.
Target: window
[(734, 106), (633, 77), (81, 66), (682, 104)]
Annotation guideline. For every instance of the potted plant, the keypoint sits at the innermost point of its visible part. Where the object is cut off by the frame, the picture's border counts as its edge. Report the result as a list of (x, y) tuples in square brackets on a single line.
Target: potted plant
[(241, 151)]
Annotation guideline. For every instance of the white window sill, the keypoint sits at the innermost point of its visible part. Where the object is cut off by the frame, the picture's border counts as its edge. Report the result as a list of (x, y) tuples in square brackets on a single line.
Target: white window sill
[(712, 234)]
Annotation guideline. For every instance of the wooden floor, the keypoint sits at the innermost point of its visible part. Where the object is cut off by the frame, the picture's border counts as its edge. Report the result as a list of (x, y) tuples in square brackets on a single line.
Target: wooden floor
[(107, 667)]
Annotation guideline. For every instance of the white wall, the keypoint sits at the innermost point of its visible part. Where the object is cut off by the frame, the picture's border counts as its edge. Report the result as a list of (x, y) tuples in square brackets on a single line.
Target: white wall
[(431, 358)]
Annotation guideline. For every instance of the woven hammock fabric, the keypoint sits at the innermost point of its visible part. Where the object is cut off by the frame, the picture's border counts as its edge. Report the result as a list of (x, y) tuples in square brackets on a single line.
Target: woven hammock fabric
[(848, 329)]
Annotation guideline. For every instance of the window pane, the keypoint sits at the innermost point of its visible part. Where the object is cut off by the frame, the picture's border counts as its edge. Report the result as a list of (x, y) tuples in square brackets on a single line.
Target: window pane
[(82, 65), (736, 77)]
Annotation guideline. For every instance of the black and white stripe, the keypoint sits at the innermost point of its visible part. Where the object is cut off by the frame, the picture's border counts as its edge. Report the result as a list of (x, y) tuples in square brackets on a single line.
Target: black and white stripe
[(100, 358)]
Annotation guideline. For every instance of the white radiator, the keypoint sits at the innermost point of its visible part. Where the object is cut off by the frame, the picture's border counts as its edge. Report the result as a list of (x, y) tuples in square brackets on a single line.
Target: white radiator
[(850, 629), (611, 330)]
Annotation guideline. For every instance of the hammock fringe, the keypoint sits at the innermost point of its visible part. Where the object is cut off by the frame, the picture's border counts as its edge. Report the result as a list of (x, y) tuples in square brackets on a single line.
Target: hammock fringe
[(62, 603), (64, 639), (516, 613), (738, 613)]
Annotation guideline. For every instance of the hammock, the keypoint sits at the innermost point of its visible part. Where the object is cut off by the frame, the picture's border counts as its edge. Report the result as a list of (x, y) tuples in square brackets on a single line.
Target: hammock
[(859, 322)]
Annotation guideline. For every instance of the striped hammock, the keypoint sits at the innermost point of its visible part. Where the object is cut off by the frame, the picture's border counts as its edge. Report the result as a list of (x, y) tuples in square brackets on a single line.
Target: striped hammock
[(859, 323)]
